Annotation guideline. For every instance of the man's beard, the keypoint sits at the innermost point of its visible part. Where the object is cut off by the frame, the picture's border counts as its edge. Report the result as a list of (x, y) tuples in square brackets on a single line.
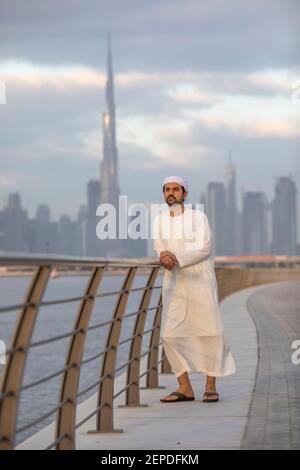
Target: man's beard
[(173, 201), (175, 207)]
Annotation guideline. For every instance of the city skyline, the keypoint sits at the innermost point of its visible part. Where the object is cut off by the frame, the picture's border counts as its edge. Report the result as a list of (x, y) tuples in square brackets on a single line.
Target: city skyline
[(192, 85), (262, 226), (259, 227), (73, 214)]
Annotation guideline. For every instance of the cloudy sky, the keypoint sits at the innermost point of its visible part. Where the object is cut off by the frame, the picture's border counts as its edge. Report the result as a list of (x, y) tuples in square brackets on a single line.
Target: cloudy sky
[(194, 81)]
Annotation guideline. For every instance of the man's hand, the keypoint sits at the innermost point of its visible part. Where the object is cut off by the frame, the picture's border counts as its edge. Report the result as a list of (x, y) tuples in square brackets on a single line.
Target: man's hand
[(168, 260)]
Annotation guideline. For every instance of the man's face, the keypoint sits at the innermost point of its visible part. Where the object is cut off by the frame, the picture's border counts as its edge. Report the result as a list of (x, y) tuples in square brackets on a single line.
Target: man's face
[(174, 194)]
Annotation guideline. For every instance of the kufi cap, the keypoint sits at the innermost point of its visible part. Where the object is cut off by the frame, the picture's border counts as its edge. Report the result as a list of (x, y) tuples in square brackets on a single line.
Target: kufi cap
[(177, 179)]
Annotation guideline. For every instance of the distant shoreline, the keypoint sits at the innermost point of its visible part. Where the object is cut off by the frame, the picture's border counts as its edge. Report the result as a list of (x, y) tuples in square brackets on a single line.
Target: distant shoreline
[(115, 272)]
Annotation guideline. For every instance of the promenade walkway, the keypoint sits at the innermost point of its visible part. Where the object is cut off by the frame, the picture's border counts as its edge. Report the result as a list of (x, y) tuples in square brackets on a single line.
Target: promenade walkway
[(259, 406)]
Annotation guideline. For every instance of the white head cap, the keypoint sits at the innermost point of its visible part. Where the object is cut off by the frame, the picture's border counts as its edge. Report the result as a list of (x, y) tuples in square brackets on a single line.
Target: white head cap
[(177, 179)]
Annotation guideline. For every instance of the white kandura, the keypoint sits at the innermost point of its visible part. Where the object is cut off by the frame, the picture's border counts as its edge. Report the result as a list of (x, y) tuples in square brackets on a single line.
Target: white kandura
[(192, 329)]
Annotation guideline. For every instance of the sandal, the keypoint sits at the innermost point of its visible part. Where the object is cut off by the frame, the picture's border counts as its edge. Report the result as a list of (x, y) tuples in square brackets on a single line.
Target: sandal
[(180, 397), (209, 394)]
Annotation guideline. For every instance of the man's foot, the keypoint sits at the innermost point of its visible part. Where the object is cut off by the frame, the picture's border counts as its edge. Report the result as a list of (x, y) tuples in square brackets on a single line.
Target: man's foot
[(210, 395), (188, 394)]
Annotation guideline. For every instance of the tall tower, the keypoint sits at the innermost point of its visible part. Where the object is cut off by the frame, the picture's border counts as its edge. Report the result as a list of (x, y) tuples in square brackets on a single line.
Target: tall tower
[(231, 209), (216, 207), (284, 217), (109, 186), (255, 229), (109, 181)]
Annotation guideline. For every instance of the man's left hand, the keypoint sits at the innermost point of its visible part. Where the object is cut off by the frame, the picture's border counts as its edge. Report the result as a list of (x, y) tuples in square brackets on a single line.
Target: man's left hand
[(168, 260)]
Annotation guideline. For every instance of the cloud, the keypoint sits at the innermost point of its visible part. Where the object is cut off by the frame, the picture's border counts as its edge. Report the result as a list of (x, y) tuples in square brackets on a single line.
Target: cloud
[(190, 95), (197, 88), (26, 74), (275, 128), (192, 81), (171, 35)]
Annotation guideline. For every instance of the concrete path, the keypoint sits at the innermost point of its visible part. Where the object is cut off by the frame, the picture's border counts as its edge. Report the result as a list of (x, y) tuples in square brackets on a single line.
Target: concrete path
[(274, 416), (246, 415)]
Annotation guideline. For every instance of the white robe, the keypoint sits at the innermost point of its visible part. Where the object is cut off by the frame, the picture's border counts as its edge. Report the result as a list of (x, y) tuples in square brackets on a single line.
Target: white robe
[(192, 330)]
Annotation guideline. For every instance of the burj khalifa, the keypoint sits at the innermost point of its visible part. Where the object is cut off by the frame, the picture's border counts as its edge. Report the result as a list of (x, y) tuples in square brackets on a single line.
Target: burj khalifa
[(109, 184), (108, 188)]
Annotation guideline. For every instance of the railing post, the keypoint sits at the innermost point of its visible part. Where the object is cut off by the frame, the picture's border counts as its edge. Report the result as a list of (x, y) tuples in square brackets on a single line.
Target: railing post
[(105, 420), (66, 418), (15, 367), (165, 365), (132, 395), (152, 363)]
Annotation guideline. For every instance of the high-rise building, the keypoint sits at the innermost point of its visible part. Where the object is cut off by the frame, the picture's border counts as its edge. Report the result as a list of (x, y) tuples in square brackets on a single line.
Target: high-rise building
[(255, 227), (92, 247), (284, 217), (69, 236), (82, 219), (14, 225), (216, 213), (42, 230), (231, 210), (109, 184), (109, 181), (109, 187)]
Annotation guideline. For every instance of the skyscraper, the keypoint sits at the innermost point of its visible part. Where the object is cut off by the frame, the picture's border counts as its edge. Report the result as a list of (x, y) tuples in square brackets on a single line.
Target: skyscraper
[(255, 229), (284, 217), (216, 212), (92, 244), (14, 225), (109, 185), (42, 229), (231, 209), (109, 181)]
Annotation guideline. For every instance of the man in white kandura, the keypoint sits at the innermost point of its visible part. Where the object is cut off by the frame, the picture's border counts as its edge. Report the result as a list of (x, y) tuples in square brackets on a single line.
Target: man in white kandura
[(192, 329)]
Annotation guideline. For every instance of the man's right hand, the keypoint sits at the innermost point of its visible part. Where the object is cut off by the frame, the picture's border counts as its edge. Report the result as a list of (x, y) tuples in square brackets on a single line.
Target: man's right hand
[(168, 260)]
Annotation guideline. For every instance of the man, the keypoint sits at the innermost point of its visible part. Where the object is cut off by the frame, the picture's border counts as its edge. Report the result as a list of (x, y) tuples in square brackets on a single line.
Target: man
[(192, 330)]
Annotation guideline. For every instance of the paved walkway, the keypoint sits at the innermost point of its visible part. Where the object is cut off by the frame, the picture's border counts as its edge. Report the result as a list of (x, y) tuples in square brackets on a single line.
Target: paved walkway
[(258, 406), (274, 417)]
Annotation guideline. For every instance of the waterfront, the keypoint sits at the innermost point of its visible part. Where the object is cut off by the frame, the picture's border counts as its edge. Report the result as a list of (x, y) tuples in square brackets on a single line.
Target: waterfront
[(57, 320)]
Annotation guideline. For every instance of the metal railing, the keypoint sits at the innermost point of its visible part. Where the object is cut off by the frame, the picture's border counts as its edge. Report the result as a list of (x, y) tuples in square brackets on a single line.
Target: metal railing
[(229, 279)]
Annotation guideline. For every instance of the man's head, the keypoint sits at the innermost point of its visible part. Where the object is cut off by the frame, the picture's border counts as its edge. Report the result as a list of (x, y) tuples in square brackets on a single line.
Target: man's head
[(175, 190)]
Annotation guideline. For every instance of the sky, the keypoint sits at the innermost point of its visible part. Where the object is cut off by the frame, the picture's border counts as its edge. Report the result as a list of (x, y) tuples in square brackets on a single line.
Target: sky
[(195, 81)]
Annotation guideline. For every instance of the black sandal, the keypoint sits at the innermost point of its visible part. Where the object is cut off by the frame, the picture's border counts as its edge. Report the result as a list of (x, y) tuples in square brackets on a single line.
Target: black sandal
[(209, 394), (180, 397)]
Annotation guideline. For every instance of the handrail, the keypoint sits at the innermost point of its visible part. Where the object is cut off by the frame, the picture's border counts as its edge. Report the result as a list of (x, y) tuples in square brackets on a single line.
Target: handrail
[(229, 279)]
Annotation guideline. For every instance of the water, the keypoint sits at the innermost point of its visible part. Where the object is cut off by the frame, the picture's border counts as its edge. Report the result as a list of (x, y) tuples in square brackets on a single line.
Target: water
[(59, 319)]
